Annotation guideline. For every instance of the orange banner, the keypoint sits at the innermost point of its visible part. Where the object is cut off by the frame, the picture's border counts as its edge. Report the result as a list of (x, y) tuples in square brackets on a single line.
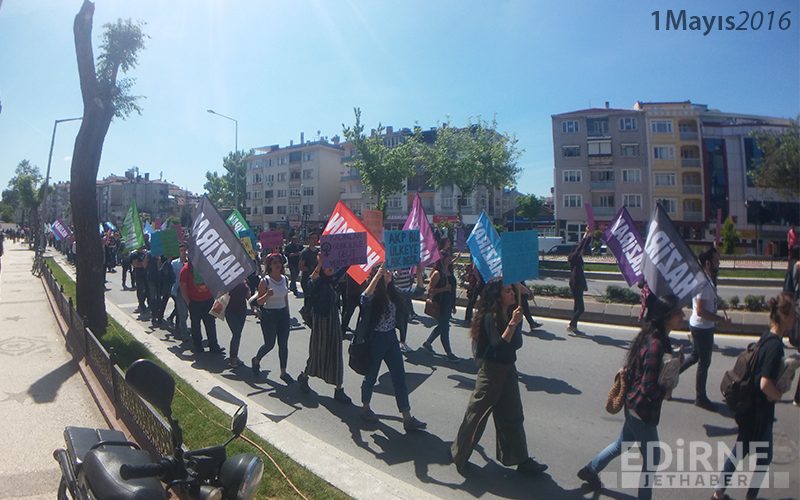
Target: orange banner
[(343, 220)]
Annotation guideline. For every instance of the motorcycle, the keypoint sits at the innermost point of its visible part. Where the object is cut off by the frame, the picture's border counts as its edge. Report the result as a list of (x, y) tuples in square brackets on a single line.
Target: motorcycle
[(102, 464)]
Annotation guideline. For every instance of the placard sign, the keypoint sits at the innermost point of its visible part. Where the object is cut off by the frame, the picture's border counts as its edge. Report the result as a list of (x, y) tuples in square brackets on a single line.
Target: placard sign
[(270, 239), (343, 249), (164, 243), (373, 219), (520, 256), (402, 248)]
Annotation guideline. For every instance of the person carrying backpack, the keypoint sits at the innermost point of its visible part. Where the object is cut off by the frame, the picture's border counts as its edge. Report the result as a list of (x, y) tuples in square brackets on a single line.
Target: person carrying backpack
[(755, 420), (792, 285)]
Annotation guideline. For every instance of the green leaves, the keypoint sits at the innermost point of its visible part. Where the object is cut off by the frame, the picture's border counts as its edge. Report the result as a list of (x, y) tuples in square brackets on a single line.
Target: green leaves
[(779, 168), (122, 41), (222, 189)]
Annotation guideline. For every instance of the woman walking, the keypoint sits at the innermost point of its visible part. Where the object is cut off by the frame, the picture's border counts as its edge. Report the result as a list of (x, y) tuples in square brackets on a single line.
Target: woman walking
[(443, 290), (644, 395), (379, 304), (273, 299), (755, 423), (235, 315), (496, 335), (325, 344)]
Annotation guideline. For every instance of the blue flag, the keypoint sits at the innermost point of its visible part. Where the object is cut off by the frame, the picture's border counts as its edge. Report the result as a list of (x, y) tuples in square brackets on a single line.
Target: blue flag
[(484, 245)]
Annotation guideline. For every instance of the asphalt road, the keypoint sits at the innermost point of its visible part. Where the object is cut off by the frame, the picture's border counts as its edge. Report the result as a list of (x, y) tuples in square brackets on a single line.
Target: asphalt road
[(563, 381)]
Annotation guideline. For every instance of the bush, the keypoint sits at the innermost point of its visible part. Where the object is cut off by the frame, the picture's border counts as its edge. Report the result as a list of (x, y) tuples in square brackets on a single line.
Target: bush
[(755, 303), (621, 295), (723, 304), (735, 302), (551, 291)]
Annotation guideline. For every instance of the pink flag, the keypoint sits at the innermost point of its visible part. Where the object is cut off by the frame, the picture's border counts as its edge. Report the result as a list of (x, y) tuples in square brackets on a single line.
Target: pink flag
[(428, 250)]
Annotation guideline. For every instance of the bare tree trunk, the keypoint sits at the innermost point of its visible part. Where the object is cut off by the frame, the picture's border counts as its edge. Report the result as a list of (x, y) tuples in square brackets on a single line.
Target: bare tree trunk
[(97, 115)]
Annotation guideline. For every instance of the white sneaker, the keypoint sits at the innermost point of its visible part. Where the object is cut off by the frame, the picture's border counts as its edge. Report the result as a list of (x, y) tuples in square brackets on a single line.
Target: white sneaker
[(404, 347)]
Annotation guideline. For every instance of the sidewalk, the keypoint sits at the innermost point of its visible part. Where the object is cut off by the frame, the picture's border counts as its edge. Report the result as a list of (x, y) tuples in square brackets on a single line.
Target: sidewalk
[(41, 390)]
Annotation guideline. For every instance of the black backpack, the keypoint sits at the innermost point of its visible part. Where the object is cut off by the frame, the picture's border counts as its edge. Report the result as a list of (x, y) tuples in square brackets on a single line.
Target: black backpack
[(738, 384)]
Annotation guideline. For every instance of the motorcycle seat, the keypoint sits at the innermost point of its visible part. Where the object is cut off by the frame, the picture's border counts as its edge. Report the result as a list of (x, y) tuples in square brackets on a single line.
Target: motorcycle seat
[(101, 470), (81, 439)]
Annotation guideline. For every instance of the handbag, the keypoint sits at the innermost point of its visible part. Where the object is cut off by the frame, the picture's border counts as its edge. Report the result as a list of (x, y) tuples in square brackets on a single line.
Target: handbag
[(219, 306), (616, 396), (432, 308), (359, 356)]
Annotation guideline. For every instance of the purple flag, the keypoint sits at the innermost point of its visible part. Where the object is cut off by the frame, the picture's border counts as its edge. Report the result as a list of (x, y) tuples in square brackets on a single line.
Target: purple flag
[(428, 250), (625, 242), (61, 230)]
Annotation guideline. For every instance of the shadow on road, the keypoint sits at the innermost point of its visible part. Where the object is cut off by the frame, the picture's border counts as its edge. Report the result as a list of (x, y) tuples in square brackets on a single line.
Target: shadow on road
[(535, 383), (543, 335), (421, 357)]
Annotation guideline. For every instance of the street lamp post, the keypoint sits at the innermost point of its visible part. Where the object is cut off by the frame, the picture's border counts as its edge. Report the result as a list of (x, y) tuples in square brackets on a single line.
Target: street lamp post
[(43, 202), (236, 149)]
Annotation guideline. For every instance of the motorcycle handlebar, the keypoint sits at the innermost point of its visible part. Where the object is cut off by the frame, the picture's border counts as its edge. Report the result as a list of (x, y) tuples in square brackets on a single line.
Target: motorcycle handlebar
[(127, 471)]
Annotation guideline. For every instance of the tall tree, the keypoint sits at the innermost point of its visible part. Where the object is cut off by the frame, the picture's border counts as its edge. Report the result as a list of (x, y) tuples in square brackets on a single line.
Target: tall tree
[(530, 206), (105, 96), (24, 194), (779, 168), (729, 237), (383, 169), (222, 189), (472, 156)]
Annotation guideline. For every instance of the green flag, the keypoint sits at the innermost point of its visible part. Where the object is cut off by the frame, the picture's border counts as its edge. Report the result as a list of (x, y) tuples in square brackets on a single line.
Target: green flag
[(132, 228), (237, 222)]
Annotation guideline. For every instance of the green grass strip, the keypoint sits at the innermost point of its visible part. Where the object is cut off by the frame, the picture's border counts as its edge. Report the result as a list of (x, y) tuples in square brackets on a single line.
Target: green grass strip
[(724, 272), (198, 432)]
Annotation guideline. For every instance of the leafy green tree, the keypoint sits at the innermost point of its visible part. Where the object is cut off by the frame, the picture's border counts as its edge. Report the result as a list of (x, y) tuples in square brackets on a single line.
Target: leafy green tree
[(531, 206), (729, 237), (383, 169), (222, 189), (105, 96), (472, 156), (24, 194), (779, 168)]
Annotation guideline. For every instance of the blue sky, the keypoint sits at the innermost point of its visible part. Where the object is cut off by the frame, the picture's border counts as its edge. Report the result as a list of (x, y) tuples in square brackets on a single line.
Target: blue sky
[(282, 67)]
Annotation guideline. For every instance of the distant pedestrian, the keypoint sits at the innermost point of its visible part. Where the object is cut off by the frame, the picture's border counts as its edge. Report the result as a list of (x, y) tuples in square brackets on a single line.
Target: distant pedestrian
[(474, 288), (702, 324), (181, 311), (577, 280), (442, 287), (379, 305), (496, 334), (2, 238), (199, 298), (756, 421), (139, 260), (235, 315), (525, 295), (644, 396), (308, 261), (293, 250), (325, 358), (273, 302)]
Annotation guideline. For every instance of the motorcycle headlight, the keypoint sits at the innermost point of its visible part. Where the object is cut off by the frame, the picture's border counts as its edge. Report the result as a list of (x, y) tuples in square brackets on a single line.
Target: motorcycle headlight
[(240, 475)]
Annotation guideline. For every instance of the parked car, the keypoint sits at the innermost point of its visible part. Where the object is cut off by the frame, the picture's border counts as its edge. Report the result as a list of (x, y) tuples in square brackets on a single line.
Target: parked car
[(561, 249)]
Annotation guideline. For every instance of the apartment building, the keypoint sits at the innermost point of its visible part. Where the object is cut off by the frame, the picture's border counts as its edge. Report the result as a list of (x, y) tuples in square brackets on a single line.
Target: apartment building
[(600, 158), (294, 186)]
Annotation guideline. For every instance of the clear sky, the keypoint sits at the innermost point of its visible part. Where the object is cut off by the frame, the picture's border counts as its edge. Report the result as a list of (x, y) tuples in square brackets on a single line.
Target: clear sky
[(291, 66)]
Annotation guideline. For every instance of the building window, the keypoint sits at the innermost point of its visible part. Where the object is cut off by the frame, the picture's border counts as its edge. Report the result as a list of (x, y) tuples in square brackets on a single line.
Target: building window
[(308, 156), (628, 123), (281, 209), (632, 200), (447, 202), (599, 148), (294, 192), (663, 152), (355, 206), (268, 193), (597, 127), (281, 193), (308, 209), (631, 176), (570, 151), (571, 176), (665, 179), (268, 210), (255, 210), (248, 211), (269, 162), (669, 204), (283, 160), (257, 177), (570, 126), (256, 195), (573, 201), (248, 195), (602, 176), (282, 177), (605, 201), (294, 209), (294, 176), (661, 126), (270, 177), (307, 174), (395, 202), (629, 150), (308, 191)]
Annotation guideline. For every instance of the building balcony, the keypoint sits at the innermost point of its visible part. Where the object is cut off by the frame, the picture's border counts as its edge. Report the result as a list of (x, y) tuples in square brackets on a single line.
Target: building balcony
[(689, 136), (350, 177), (295, 183), (692, 189), (295, 200), (601, 160), (690, 162), (693, 216), (602, 185), (350, 196), (604, 211)]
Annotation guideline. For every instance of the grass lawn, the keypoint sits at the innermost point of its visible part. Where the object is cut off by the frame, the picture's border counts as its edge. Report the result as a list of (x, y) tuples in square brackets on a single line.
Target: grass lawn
[(724, 272), (204, 424)]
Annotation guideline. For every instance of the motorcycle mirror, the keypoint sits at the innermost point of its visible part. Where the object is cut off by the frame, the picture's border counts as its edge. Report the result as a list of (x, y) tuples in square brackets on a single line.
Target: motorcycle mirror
[(239, 420), (153, 384)]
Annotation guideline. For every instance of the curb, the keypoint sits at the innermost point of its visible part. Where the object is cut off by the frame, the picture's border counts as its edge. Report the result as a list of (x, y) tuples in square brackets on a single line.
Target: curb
[(723, 281)]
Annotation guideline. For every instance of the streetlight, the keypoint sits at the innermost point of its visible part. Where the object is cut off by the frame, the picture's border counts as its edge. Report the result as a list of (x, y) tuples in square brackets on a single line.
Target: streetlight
[(42, 204), (236, 149)]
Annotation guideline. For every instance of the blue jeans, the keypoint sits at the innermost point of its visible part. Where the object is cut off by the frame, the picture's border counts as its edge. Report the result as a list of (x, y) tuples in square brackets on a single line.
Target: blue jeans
[(761, 432), (275, 326), (442, 328), (632, 430), (702, 347), (383, 346), (181, 313)]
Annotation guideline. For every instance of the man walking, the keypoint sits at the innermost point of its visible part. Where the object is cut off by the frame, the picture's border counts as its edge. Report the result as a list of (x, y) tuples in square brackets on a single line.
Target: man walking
[(292, 252), (308, 262), (198, 297), (577, 280)]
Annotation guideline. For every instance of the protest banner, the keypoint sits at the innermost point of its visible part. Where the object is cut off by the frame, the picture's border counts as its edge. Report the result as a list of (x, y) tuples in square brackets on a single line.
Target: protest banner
[(132, 235), (61, 230), (460, 243), (669, 265), (270, 240), (402, 248), (428, 249), (215, 251), (343, 249), (373, 219), (237, 222), (247, 243), (625, 243), (486, 248), (343, 220), (520, 256), (164, 243)]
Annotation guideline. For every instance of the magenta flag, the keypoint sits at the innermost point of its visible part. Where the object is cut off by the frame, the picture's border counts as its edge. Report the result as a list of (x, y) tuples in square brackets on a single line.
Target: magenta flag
[(428, 250), (625, 242)]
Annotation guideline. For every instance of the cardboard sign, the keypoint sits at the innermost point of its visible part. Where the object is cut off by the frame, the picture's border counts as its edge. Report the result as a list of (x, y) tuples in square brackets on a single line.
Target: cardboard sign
[(342, 250), (373, 219), (343, 220), (520, 256), (247, 243), (164, 243), (270, 239), (402, 249)]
